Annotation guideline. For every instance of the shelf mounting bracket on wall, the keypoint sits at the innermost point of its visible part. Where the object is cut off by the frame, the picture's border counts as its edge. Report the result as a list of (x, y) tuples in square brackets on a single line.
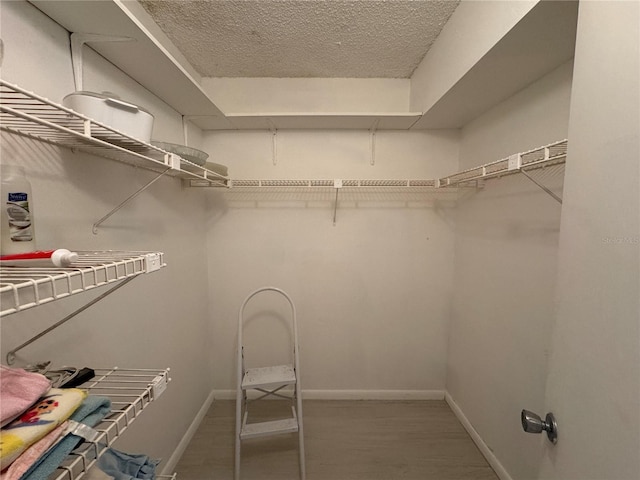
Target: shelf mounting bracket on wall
[(515, 163), (11, 356), (553, 195), (77, 41), (337, 185), (372, 140), (127, 200), (274, 141)]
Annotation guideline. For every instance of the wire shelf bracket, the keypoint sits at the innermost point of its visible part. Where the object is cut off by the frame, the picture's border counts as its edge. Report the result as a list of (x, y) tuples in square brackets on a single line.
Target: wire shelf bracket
[(337, 185), (95, 226), (11, 356), (545, 189), (274, 141), (372, 141)]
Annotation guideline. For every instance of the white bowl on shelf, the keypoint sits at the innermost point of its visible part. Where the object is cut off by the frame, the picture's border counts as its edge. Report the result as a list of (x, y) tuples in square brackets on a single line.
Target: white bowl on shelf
[(108, 109)]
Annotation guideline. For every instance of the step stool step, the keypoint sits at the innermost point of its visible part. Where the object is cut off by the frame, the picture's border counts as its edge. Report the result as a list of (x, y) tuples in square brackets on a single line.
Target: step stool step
[(264, 377), (273, 427)]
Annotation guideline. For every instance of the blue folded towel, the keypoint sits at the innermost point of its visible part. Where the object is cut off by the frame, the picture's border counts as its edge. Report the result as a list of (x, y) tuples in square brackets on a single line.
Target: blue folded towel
[(125, 466), (90, 412)]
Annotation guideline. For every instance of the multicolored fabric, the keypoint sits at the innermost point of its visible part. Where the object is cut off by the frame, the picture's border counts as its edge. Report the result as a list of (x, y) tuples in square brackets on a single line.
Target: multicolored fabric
[(91, 412), (49, 412), (21, 464)]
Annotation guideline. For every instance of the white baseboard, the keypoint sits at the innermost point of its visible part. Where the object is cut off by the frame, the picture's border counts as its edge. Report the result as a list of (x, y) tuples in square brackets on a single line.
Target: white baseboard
[(373, 394), (477, 439), (170, 466), (354, 394)]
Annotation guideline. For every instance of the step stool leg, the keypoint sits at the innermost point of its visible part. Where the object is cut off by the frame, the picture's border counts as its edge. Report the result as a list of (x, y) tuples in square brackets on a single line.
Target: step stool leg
[(300, 431), (236, 470), (301, 448)]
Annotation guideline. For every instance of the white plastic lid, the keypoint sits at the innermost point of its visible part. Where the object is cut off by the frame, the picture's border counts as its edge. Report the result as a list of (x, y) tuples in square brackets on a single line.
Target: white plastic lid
[(63, 257)]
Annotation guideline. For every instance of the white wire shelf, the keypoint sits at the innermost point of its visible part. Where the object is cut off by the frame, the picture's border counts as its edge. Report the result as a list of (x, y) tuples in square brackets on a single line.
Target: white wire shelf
[(548, 155), (26, 287), (26, 113), (130, 392), (327, 183)]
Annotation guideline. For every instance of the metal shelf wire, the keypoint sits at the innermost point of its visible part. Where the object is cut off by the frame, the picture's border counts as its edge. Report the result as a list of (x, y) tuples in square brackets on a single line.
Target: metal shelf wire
[(26, 287), (317, 184), (548, 155), (130, 392), (26, 113)]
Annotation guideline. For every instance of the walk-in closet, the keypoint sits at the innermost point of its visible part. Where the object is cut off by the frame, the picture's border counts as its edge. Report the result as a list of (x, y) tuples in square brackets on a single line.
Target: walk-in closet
[(410, 226)]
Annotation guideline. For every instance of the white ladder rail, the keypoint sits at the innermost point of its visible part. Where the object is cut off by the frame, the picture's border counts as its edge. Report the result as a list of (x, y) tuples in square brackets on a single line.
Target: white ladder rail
[(274, 377)]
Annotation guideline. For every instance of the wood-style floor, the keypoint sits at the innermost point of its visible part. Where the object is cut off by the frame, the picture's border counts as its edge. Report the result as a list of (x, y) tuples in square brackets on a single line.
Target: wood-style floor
[(344, 440)]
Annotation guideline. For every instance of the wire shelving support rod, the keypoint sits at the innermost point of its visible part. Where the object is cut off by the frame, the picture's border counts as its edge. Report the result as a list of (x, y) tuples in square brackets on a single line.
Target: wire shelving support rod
[(372, 140), (11, 356), (547, 190), (94, 229), (337, 185)]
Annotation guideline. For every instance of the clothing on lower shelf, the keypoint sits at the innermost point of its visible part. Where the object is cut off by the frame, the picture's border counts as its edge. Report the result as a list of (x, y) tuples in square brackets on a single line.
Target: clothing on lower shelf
[(19, 390), (91, 412), (125, 466), (31, 455), (49, 412)]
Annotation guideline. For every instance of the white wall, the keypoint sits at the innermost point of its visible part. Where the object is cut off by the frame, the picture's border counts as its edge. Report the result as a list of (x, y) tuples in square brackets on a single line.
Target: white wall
[(295, 95), (372, 292), (157, 321), (594, 379), (473, 29), (505, 263)]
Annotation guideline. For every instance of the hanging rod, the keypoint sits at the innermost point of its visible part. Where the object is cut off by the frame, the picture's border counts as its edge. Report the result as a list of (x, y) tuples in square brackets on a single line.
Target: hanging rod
[(11, 356)]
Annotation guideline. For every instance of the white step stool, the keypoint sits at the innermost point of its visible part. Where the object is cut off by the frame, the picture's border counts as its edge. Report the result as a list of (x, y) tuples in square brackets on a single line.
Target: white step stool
[(268, 380)]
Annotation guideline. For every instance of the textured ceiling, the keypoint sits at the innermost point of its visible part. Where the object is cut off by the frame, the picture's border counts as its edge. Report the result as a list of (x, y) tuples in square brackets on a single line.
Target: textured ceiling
[(302, 38)]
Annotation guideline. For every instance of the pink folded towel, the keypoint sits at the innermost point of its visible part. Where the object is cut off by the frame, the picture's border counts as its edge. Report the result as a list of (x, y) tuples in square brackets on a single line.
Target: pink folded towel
[(32, 454), (19, 390)]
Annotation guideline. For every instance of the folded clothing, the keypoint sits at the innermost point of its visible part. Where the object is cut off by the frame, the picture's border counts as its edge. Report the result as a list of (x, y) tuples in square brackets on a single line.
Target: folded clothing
[(21, 464), (92, 410), (19, 390), (49, 412), (125, 466)]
